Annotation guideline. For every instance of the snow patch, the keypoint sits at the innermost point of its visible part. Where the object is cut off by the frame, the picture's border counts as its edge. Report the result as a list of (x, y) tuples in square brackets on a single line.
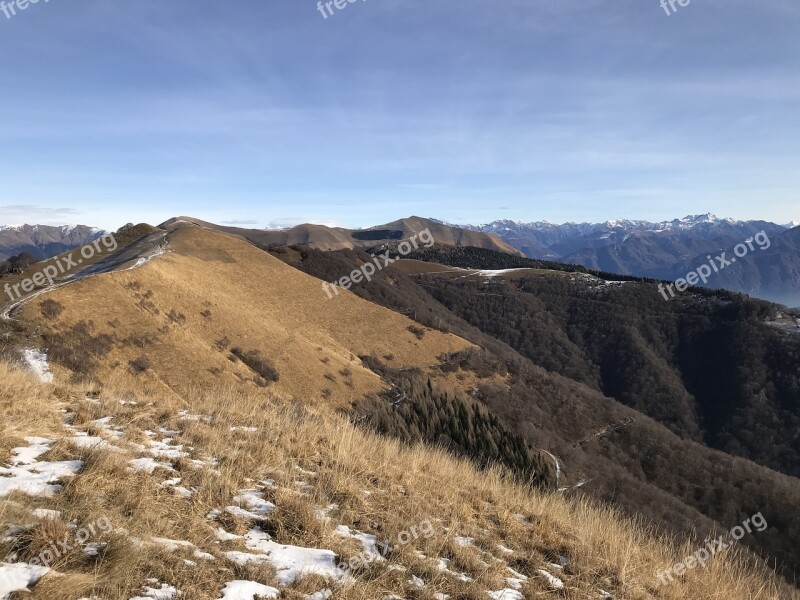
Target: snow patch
[(19, 577), (37, 362), (506, 594), (165, 592), (289, 562), (247, 590), (369, 543), (30, 476)]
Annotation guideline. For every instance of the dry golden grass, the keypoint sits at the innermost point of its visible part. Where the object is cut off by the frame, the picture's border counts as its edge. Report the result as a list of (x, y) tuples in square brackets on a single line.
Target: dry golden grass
[(317, 460), (179, 313)]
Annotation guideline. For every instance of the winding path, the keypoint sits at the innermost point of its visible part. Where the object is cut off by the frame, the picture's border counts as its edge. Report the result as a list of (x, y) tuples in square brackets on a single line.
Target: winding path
[(142, 251)]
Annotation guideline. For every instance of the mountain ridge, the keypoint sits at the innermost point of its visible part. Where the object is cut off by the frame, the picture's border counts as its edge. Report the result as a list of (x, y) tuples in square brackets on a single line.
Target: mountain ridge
[(666, 250), (44, 241)]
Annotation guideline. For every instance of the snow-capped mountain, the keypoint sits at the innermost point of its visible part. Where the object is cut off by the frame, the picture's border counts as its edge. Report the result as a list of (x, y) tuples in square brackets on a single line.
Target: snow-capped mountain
[(44, 241), (580, 242), (664, 250)]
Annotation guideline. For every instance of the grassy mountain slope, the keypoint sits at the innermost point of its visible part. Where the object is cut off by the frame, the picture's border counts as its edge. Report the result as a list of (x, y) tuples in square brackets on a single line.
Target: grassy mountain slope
[(215, 308), (241, 478), (645, 468)]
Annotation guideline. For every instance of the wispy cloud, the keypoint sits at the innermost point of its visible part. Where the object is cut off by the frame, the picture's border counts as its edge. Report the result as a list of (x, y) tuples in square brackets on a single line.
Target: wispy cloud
[(33, 214), (242, 114), (241, 222)]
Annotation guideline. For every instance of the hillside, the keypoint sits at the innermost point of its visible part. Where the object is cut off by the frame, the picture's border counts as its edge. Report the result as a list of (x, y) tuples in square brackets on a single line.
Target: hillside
[(713, 366), (176, 324), (573, 359), (235, 493), (321, 237), (422, 354)]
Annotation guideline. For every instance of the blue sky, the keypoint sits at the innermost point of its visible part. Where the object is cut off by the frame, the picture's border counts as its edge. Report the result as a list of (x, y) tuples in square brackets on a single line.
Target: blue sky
[(264, 113)]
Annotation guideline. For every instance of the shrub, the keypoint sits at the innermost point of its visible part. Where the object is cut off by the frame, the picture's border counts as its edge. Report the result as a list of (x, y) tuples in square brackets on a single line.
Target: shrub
[(417, 331), (76, 348), (140, 365), (176, 317), (51, 309), (253, 360)]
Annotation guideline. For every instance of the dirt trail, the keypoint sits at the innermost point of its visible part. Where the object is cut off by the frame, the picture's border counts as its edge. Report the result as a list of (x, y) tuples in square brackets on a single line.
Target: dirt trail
[(142, 251)]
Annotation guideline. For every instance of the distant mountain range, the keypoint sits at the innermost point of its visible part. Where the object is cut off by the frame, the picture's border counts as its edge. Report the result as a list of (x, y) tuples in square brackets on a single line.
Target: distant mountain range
[(321, 237), (44, 241), (668, 250)]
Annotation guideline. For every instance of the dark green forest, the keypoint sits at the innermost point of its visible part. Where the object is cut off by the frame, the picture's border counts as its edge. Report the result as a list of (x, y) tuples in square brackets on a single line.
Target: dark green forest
[(705, 389)]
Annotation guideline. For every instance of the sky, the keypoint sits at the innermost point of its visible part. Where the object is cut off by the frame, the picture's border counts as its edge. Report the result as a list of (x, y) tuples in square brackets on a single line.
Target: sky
[(267, 113)]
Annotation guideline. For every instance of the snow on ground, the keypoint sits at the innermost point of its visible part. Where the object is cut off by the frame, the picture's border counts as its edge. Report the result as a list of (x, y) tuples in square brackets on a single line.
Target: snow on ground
[(179, 490), (369, 543), (289, 562), (19, 577), (164, 449), (186, 416), (148, 465), (37, 362), (497, 272), (251, 505), (158, 251), (164, 592), (92, 442), (175, 545), (30, 476), (224, 536), (247, 590), (160, 448), (93, 549), (506, 594), (104, 424), (517, 581), (554, 582), (443, 565)]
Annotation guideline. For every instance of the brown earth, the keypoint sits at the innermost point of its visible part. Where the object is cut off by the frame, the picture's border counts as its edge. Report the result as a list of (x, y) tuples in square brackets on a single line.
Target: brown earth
[(175, 321)]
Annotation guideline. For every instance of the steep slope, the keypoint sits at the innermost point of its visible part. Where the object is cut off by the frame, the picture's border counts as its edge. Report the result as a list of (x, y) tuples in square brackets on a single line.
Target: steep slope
[(771, 273), (170, 327), (124, 248), (605, 335), (236, 494), (216, 309)]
